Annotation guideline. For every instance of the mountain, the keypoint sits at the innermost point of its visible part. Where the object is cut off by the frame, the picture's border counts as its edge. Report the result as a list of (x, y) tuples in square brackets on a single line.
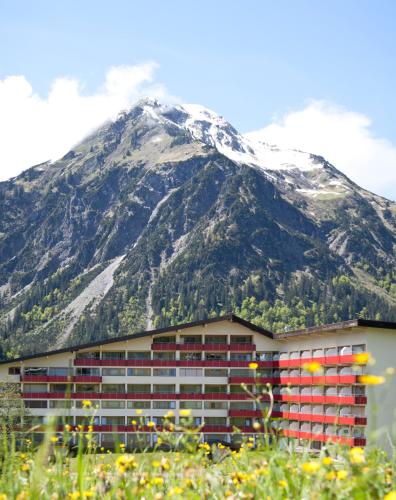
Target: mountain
[(168, 214)]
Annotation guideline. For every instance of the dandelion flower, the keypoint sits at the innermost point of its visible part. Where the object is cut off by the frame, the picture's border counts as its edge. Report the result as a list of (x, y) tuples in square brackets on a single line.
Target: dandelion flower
[(86, 403), (361, 358), (185, 413), (390, 496), (327, 461), (342, 474), (138, 412), (356, 455), (310, 467), (253, 366), (312, 367), (371, 379)]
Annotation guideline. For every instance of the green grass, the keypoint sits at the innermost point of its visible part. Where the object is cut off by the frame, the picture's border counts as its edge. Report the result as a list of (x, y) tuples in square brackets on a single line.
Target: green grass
[(270, 472)]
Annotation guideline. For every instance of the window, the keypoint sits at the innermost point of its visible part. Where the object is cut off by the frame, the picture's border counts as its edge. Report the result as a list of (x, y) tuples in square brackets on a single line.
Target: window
[(89, 372), (191, 339), (88, 355), (139, 355), (87, 387), (215, 356), (241, 405), (240, 339), (113, 372), (113, 405), (190, 356), (113, 388), (164, 405), (113, 420), (36, 403), (239, 356), (266, 356), (139, 372), (14, 370), (139, 388), (113, 355), (61, 403), (215, 372), (164, 356), (59, 371), (215, 339), (139, 405), (164, 388), (240, 373), (164, 372), (190, 405), (215, 420), (79, 404), (191, 372), (87, 420), (34, 387), (356, 349), (215, 389), (36, 371), (215, 405), (164, 340), (60, 388), (190, 389)]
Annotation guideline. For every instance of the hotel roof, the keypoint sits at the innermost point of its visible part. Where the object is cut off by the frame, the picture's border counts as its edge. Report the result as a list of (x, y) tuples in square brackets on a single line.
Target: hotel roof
[(314, 330)]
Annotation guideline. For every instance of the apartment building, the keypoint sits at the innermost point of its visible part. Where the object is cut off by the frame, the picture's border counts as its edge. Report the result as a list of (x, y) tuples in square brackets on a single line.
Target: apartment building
[(200, 367)]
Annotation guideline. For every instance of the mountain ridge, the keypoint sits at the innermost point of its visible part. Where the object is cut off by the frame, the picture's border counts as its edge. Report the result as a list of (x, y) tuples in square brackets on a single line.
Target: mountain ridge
[(205, 220)]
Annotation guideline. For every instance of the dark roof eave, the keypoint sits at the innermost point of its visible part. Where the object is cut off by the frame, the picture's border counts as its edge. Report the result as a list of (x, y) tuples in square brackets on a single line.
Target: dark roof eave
[(149, 333)]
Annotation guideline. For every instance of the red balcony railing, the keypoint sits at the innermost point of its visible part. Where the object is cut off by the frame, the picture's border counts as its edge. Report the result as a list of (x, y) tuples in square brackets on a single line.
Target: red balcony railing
[(90, 379), (190, 347), (245, 413), (242, 347), (338, 400), (46, 378), (163, 346), (349, 441), (323, 360), (216, 428), (324, 419)]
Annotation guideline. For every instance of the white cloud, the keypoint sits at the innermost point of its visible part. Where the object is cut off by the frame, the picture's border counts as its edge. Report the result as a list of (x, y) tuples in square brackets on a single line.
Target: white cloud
[(345, 138), (35, 129)]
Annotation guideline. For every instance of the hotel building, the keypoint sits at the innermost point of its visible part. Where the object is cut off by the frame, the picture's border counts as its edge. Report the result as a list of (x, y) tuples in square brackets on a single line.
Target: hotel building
[(200, 366)]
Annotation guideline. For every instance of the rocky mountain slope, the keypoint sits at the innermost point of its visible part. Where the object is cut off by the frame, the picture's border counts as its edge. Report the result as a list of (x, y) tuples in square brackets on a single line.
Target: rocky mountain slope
[(169, 214)]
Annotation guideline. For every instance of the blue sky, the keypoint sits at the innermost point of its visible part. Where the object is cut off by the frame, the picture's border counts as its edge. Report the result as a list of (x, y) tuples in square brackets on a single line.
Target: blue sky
[(253, 61)]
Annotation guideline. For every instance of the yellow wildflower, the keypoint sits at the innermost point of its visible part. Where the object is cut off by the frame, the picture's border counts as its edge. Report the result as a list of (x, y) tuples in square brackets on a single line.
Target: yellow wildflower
[(156, 463), (327, 461), (157, 480), (371, 379), (185, 413), (330, 475), (256, 426), (356, 455), (282, 483), (342, 474), (175, 491), (25, 467), (54, 439), (310, 467), (134, 422), (86, 403), (138, 412), (90, 428), (390, 496), (253, 366), (312, 367), (361, 358), (151, 424), (68, 427), (3, 496), (169, 414), (74, 495)]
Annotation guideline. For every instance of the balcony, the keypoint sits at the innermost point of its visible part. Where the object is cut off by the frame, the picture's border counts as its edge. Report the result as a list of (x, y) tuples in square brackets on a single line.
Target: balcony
[(216, 428), (346, 359), (46, 378), (349, 441), (163, 346), (87, 362), (241, 347), (244, 413), (215, 347), (164, 395), (90, 379), (338, 400), (324, 419), (253, 380), (190, 347)]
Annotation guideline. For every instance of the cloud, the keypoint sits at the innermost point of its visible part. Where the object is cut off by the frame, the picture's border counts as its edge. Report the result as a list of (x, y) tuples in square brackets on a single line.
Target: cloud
[(35, 129), (345, 138)]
